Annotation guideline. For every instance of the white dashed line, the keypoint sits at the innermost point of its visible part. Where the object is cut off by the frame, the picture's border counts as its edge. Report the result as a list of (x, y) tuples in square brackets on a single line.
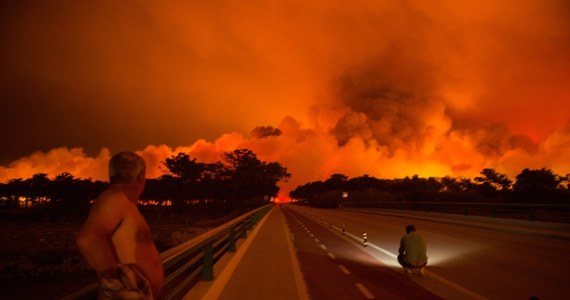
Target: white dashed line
[(331, 255), (344, 269), (365, 291), (451, 284), (323, 246)]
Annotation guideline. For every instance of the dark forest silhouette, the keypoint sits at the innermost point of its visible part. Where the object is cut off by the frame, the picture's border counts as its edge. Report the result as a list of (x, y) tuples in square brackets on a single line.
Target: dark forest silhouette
[(241, 180), (540, 186)]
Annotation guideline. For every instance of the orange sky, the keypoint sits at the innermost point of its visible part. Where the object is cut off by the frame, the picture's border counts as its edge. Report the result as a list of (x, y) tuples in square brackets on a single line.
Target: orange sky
[(385, 88)]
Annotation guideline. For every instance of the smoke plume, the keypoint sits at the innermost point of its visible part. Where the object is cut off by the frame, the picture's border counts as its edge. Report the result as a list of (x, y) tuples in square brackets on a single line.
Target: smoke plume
[(384, 88)]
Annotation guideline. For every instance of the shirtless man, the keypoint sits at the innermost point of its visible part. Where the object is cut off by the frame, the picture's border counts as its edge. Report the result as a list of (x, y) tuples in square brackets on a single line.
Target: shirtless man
[(115, 239)]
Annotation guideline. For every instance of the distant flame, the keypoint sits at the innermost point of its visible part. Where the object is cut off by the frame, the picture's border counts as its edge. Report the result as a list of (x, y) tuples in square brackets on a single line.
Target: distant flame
[(383, 88), (281, 198), (311, 155)]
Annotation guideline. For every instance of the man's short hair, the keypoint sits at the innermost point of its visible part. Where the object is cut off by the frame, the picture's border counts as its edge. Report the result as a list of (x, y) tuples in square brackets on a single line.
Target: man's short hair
[(126, 167), (410, 228)]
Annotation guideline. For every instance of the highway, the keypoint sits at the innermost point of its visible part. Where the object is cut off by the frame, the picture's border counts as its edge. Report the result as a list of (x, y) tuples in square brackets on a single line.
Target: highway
[(466, 261)]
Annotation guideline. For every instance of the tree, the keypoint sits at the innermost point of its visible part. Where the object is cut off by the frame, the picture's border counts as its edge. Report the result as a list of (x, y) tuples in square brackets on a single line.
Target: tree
[(492, 181), (337, 181), (181, 166), (366, 182), (273, 172), (39, 185), (537, 184), (565, 182), (64, 188), (214, 183), (451, 184), (252, 178), (241, 176), (311, 193), (242, 159)]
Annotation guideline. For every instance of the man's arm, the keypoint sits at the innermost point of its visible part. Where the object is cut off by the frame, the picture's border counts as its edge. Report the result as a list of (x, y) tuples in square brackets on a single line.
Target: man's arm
[(94, 238), (402, 249)]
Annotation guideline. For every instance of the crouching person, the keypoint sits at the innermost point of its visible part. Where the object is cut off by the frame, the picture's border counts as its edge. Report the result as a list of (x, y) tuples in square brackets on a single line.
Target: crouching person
[(412, 251)]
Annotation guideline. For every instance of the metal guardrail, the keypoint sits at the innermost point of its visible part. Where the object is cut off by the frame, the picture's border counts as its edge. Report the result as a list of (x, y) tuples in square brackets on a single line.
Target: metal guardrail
[(557, 213), (193, 260)]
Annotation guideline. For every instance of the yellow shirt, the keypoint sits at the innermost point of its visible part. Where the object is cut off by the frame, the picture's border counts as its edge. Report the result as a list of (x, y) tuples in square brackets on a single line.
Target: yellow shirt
[(413, 245)]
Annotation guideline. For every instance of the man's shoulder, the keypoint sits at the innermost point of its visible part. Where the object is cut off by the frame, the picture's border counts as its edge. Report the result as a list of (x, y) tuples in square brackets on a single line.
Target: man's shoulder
[(111, 197), (412, 235)]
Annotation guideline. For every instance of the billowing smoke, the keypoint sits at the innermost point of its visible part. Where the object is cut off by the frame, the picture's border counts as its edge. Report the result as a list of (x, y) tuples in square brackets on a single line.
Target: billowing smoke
[(57, 161), (265, 131), (311, 154), (385, 88), (393, 104)]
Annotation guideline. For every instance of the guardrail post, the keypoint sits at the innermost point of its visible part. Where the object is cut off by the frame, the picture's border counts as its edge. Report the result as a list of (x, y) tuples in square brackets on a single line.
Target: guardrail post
[(208, 263), (232, 240), (244, 229), (364, 239), (250, 221), (343, 230), (532, 215), (330, 225)]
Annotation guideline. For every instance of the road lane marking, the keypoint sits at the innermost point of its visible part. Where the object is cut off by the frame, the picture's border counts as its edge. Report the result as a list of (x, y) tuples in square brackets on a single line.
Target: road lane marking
[(451, 284), (215, 289), (324, 247), (365, 291), (344, 269), (390, 254), (455, 286), (317, 240), (444, 281), (331, 255), (300, 283)]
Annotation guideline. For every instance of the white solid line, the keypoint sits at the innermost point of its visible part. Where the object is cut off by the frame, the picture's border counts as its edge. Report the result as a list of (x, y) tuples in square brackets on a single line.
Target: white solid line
[(344, 269), (297, 274), (216, 289), (374, 246), (365, 291), (451, 284), (455, 286), (383, 250), (331, 255)]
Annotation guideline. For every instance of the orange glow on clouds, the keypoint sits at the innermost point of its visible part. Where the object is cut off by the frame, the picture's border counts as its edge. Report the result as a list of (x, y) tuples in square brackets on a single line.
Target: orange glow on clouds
[(314, 155), (384, 88)]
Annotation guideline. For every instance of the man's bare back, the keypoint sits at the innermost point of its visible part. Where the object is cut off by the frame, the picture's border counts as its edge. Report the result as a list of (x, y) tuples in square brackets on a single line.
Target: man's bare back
[(115, 233), (134, 245)]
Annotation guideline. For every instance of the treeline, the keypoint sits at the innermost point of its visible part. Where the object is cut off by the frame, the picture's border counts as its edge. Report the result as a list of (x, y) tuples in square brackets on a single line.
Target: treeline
[(530, 186), (238, 179)]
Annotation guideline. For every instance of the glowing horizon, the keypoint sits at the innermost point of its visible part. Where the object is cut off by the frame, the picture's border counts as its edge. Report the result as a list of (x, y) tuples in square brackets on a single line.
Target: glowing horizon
[(389, 89)]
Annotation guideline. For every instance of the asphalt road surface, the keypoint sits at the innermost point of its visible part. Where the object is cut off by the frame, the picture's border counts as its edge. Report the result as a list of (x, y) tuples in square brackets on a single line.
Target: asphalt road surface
[(465, 262)]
